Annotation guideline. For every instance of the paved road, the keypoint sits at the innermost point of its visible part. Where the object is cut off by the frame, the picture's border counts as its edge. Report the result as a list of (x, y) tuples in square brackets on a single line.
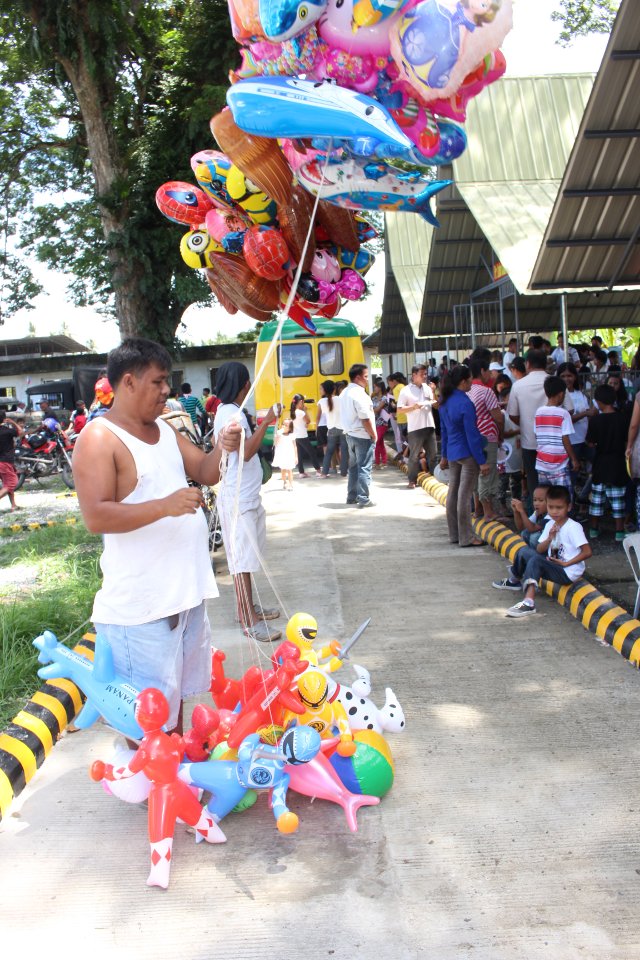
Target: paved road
[(510, 830)]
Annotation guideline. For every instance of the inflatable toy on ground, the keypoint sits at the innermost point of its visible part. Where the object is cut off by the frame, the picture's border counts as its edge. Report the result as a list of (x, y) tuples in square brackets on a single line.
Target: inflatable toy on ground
[(133, 789), (158, 757), (370, 769), (319, 780), (228, 693), (319, 712), (260, 766), (270, 702), (108, 696), (204, 734), (362, 712), (302, 630)]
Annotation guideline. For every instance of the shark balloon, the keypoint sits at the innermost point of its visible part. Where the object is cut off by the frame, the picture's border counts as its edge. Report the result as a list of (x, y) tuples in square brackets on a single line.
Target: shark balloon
[(357, 185)]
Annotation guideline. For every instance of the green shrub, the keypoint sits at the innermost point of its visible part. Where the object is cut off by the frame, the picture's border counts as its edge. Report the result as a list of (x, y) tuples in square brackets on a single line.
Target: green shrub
[(56, 577)]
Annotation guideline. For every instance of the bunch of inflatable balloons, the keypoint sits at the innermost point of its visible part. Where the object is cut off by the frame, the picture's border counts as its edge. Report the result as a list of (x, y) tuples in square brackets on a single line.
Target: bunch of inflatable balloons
[(291, 727), (348, 101)]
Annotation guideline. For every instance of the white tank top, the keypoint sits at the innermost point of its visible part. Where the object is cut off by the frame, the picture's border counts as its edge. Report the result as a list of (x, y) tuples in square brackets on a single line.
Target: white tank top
[(163, 568)]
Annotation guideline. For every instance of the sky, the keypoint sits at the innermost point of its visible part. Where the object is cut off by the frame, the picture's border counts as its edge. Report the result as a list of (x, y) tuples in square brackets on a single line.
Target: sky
[(530, 50)]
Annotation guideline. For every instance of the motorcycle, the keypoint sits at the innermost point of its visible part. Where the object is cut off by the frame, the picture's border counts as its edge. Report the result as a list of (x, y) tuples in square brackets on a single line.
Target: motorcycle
[(43, 455)]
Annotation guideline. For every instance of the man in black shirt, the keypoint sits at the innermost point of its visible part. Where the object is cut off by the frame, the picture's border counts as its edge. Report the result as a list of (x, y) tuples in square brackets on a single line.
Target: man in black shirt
[(9, 430)]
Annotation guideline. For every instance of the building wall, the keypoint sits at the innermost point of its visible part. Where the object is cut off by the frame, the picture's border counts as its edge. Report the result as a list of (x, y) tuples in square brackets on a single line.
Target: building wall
[(194, 365)]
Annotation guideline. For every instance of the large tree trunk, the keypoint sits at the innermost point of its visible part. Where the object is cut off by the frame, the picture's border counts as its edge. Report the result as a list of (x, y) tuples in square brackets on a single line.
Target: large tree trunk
[(109, 170)]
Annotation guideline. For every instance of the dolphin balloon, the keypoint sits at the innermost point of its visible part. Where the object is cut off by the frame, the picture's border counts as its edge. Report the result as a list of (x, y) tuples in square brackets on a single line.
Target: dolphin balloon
[(283, 19), (372, 186)]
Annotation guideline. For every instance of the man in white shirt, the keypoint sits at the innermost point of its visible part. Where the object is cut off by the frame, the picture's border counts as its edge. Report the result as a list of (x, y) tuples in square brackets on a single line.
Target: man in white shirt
[(525, 398), (416, 401), (359, 425), (559, 355), (242, 516), (511, 353)]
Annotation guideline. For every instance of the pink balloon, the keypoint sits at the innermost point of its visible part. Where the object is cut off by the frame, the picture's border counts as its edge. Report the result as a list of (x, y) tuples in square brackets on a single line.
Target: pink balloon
[(220, 222), (336, 30), (319, 779)]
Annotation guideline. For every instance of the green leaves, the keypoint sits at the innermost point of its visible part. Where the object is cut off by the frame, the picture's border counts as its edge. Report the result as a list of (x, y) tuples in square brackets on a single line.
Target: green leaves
[(101, 101), (581, 17)]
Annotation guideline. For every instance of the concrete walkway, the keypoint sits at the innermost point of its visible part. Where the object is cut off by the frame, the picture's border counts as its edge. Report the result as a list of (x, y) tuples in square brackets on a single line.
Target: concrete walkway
[(510, 829)]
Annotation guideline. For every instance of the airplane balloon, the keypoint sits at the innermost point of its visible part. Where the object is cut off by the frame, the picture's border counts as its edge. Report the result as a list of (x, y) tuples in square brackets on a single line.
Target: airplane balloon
[(107, 694)]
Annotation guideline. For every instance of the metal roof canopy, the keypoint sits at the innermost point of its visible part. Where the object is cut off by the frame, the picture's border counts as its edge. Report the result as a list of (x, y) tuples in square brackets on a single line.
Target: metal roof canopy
[(507, 184), (504, 218), (592, 238)]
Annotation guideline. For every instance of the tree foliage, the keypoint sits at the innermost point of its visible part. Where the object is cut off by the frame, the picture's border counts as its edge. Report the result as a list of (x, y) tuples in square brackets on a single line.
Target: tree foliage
[(581, 17), (101, 101)]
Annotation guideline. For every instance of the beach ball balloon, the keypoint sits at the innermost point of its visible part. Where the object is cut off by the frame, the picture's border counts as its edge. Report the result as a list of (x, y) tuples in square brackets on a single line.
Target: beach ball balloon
[(370, 770)]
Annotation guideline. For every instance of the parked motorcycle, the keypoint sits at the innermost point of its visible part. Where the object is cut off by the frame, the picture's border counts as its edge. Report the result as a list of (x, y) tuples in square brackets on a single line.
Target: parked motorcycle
[(41, 455)]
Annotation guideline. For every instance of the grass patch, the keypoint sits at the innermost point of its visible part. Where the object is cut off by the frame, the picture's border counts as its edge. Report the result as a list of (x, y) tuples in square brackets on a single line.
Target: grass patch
[(56, 578)]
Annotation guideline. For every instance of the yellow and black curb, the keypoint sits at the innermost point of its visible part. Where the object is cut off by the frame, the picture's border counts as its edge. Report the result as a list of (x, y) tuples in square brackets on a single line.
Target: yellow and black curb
[(31, 735), (28, 527), (596, 612)]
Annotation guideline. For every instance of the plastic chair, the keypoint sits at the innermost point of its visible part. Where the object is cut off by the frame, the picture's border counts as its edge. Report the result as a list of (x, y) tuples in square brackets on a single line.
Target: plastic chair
[(631, 544)]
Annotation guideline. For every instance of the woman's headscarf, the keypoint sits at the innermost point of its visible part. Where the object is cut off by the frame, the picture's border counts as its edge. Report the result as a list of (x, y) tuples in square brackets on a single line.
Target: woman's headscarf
[(230, 379)]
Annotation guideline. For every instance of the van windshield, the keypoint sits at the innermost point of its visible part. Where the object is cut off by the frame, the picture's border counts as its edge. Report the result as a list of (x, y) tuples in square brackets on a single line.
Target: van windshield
[(295, 360)]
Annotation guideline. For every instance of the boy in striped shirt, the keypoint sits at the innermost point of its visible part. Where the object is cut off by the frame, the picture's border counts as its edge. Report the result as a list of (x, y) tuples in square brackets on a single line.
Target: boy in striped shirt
[(553, 427)]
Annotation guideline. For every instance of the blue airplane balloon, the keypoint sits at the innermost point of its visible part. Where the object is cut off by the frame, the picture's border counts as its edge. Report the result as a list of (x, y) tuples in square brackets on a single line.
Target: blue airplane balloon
[(107, 695)]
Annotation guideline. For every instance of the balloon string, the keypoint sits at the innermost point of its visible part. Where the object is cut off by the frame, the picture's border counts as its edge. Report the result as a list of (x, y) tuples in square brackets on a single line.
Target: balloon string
[(242, 595), (294, 288)]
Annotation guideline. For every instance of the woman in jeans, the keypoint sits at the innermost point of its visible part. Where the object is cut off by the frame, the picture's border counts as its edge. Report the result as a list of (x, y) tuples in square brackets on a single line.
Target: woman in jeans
[(336, 440), (300, 419), (462, 454)]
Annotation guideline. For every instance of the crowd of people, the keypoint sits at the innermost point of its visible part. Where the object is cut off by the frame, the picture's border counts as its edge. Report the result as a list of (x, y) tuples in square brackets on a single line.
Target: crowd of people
[(547, 442)]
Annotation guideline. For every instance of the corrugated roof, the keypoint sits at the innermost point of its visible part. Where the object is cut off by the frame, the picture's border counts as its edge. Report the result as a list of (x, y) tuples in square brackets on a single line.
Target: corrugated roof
[(592, 237), (510, 182), (523, 128), (41, 346), (506, 182), (407, 246)]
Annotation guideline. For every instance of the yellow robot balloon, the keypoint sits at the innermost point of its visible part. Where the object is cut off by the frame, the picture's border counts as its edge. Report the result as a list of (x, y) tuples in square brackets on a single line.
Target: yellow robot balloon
[(320, 713), (302, 629), (313, 689)]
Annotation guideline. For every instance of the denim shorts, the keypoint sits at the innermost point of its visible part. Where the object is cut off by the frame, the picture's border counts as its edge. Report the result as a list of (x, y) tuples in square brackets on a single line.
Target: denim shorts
[(172, 654)]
